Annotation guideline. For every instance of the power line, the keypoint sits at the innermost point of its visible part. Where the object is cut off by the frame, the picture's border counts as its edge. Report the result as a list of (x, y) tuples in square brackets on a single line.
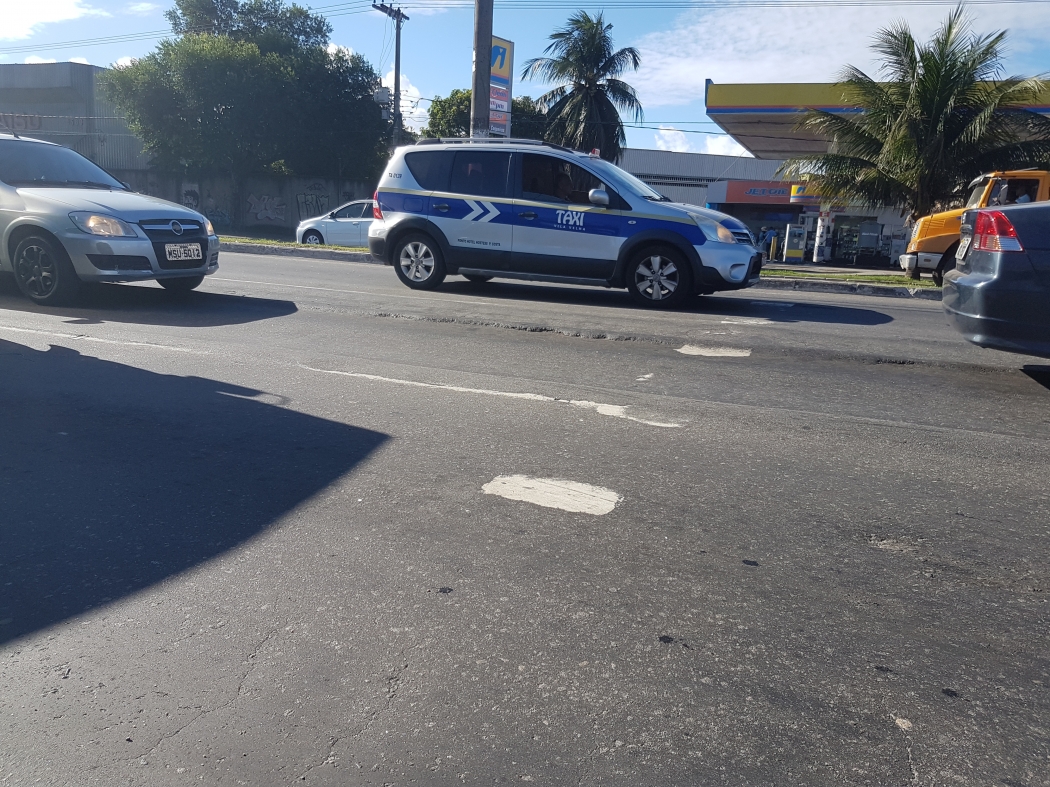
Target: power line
[(354, 7)]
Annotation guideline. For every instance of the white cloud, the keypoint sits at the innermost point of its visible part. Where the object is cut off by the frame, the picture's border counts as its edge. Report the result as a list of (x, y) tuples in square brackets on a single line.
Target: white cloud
[(141, 9), (413, 113), (804, 45), (83, 60), (34, 59), (124, 62), (21, 20), (668, 138), (333, 48)]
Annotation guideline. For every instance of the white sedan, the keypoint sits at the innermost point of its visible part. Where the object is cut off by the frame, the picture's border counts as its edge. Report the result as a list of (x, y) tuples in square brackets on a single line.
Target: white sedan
[(345, 226)]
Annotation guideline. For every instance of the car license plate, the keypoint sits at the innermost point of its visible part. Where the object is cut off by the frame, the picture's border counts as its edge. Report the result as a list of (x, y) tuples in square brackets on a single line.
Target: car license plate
[(963, 248), (182, 251)]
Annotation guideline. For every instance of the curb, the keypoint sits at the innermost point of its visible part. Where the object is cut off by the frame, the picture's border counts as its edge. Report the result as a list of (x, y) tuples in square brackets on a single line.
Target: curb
[(881, 290), (312, 252), (766, 283)]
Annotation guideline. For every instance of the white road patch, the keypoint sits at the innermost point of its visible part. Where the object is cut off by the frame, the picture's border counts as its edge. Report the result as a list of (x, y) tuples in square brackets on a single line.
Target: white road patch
[(644, 377), (554, 493), (613, 410), (714, 352), (85, 338), (747, 321)]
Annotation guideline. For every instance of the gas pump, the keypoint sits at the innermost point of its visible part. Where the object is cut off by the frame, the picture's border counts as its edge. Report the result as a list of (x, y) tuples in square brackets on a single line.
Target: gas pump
[(795, 243)]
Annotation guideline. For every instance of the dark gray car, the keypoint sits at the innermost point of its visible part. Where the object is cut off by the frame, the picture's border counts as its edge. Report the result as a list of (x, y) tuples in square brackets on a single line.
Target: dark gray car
[(999, 293)]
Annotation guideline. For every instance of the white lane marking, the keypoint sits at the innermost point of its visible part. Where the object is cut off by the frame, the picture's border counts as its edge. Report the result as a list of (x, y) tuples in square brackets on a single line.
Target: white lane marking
[(554, 493), (714, 352), (644, 377), (475, 210), (613, 410), (493, 212), (84, 337), (747, 321)]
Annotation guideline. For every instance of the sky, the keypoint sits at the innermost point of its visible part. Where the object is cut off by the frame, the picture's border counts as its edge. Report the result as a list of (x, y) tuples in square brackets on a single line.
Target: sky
[(681, 47)]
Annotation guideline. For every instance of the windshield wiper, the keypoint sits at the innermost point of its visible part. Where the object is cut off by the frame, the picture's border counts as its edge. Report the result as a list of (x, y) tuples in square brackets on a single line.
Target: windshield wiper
[(91, 184), (661, 198)]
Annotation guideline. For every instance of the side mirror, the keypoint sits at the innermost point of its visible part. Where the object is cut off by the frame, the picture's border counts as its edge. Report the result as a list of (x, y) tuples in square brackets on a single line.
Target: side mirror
[(598, 197), (331, 215)]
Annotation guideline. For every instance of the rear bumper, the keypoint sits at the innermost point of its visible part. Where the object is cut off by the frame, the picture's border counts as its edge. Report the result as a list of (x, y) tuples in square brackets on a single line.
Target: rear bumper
[(985, 311), (377, 248)]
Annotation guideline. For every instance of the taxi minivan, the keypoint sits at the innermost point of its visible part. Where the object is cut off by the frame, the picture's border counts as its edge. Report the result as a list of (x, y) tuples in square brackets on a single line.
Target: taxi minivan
[(522, 209)]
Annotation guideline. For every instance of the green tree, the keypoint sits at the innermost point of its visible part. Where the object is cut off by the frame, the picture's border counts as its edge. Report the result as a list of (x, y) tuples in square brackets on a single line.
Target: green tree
[(583, 110), (940, 114), (257, 92), (450, 117)]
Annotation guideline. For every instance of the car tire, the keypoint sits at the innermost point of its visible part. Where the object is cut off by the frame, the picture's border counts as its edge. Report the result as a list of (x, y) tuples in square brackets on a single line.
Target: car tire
[(418, 262), (181, 284), (43, 271), (659, 278), (476, 278), (946, 264), (313, 238)]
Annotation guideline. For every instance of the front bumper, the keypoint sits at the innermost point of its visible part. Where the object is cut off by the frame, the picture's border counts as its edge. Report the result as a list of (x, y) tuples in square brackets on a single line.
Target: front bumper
[(377, 248), (728, 266), (985, 311), (129, 259), (924, 261)]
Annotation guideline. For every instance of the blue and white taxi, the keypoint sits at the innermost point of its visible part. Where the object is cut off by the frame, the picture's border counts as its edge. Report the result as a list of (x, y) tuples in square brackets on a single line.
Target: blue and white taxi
[(519, 209)]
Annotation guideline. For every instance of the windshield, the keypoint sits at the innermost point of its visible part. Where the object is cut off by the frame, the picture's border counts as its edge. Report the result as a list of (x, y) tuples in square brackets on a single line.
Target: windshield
[(975, 196), (627, 180), (25, 163)]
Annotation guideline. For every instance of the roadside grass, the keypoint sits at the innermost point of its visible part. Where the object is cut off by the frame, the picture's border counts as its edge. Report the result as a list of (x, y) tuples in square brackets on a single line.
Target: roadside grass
[(856, 278), (290, 243)]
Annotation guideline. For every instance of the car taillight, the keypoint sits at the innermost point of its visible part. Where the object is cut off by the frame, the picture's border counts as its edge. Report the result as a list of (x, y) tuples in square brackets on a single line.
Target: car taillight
[(992, 231), (376, 212)]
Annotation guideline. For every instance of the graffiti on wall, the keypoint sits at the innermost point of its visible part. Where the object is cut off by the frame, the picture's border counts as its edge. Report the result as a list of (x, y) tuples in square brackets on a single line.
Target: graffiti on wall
[(313, 201), (16, 122), (266, 208)]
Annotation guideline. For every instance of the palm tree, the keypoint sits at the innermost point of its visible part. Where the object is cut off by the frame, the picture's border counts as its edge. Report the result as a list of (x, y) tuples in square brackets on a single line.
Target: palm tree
[(583, 111), (941, 115)]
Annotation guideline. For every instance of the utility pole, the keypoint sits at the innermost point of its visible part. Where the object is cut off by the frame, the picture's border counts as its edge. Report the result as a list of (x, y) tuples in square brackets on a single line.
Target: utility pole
[(399, 18), (479, 95)]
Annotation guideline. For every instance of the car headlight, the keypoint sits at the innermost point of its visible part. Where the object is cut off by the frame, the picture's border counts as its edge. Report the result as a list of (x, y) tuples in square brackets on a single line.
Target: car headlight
[(100, 224), (712, 229), (208, 226)]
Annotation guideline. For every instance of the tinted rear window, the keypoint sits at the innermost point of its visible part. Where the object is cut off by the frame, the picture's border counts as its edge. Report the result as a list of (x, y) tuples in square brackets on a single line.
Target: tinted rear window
[(481, 173), (430, 168)]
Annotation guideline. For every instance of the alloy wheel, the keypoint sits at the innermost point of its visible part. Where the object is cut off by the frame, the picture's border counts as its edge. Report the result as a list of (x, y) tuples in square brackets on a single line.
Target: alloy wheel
[(36, 271), (657, 277), (417, 261)]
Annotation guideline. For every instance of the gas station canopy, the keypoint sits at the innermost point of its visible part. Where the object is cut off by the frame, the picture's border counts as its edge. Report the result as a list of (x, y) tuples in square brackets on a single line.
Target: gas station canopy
[(764, 118)]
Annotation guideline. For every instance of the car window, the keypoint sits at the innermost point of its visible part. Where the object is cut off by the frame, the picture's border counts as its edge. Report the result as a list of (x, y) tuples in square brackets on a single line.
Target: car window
[(1021, 190), (430, 168), (481, 173), (24, 163), (551, 179), (351, 211)]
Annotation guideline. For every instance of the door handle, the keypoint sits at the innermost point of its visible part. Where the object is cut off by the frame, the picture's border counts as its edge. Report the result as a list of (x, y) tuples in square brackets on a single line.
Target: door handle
[(442, 207), (528, 215)]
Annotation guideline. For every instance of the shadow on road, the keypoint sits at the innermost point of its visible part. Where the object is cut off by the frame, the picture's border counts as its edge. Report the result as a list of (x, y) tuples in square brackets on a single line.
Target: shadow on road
[(748, 304), (152, 305), (1041, 374), (113, 478)]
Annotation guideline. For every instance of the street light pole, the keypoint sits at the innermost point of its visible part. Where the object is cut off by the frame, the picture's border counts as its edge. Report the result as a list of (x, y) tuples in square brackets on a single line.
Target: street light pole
[(399, 18), (479, 95)]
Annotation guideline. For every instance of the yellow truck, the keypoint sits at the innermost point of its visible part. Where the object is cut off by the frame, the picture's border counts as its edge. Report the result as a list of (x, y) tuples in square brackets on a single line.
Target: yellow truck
[(935, 238)]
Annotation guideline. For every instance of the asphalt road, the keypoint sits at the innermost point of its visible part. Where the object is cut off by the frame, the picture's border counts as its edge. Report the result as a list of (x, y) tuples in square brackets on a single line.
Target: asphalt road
[(273, 533)]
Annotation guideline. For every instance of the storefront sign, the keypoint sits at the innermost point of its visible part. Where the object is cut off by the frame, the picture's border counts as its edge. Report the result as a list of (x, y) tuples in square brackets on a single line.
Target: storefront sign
[(501, 84), (758, 191), (804, 195)]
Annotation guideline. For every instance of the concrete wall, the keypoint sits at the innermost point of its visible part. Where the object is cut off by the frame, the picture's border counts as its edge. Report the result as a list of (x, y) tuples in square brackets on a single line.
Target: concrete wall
[(275, 204)]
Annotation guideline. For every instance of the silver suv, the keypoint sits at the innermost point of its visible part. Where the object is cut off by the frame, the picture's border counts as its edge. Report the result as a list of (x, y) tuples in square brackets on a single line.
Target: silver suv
[(64, 220)]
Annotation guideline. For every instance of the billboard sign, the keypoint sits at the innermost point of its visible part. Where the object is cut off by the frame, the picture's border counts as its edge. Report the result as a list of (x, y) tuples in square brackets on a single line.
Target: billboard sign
[(501, 84)]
